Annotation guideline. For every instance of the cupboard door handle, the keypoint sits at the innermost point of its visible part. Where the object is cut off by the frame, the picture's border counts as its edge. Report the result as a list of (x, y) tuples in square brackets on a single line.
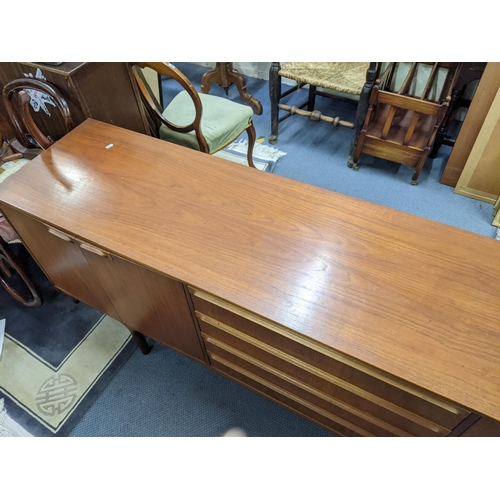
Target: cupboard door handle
[(93, 249), (61, 235)]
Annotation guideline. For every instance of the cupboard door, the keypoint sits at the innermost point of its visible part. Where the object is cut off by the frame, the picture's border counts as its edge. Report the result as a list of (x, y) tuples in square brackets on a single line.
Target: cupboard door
[(150, 303), (62, 261)]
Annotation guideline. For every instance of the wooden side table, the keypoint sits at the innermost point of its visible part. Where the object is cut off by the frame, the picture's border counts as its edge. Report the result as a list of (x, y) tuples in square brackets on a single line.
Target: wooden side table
[(225, 75)]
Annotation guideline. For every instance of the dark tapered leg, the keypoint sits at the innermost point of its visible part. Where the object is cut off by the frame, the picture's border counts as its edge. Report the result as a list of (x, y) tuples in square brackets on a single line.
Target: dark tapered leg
[(311, 100), (362, 109), (9, 260), (251, 143), (274, 96), (449, 117), (141, 342)]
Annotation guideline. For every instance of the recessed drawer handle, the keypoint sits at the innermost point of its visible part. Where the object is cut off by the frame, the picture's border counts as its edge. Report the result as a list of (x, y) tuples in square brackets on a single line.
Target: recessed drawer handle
[(93, 249), (61, 235)]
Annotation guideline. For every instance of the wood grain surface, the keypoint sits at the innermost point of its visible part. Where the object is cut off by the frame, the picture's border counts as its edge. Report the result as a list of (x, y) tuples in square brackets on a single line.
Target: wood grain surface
[(480, 105), (412, 297)]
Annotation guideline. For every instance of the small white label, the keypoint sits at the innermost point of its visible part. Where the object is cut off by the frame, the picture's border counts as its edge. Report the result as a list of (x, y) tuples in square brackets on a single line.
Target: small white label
[(109, 146)]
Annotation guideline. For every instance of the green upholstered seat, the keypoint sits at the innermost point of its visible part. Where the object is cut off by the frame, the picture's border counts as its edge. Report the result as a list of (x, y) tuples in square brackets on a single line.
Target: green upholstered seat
[(222, 121)]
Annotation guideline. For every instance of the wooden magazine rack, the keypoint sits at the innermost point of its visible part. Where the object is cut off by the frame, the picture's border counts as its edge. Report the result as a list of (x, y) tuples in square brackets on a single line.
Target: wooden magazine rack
[(407, 106)]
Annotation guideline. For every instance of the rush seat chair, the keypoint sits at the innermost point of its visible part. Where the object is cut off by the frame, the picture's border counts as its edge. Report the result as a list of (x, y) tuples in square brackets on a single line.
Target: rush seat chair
[(327, 79)]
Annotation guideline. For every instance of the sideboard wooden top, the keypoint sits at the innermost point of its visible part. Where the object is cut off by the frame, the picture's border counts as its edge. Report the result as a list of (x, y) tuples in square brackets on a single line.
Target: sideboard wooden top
[(412, 297)]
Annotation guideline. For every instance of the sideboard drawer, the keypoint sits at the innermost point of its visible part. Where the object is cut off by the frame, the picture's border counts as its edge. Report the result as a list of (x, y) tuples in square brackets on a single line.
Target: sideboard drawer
[(389, 403), (318, 402), (285, 398)]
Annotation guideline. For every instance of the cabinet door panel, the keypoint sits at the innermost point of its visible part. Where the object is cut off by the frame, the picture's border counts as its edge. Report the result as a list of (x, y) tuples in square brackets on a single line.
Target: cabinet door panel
[(62, 260), (148, 302)]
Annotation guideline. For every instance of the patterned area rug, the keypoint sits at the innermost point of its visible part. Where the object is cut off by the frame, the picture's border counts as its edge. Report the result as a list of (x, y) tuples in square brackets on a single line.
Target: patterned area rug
[(55, 360), (264, 157)]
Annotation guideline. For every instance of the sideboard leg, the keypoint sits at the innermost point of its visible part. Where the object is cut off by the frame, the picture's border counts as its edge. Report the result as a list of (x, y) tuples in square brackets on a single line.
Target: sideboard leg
[(141, 342)]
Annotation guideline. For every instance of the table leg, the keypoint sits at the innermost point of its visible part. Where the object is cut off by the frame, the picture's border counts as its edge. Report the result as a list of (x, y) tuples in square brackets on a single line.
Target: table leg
[(225, 75)]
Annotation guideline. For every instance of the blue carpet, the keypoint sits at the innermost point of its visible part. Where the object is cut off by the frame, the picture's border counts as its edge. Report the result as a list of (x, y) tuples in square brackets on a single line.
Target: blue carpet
[(166, 394)]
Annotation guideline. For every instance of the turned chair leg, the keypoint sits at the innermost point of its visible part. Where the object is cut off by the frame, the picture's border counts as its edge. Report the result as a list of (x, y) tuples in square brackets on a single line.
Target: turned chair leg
[(252, 136), (420, 166), (352, 161), (274, 96), (311, 99), (361, 112), (9, 260)]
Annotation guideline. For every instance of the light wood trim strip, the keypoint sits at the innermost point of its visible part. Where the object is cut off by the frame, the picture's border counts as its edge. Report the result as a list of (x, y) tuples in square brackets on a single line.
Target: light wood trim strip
[(408, 79), (270, 398), (316, 346), (430, 81), (61, 235), (306, 387), (407, 102), (388, 122), (411, 128), (93, 249), (324, 375), (291, 396)]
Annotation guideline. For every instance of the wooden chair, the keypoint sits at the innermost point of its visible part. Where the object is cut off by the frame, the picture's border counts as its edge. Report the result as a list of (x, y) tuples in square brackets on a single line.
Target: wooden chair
[(203, 122), (341, 78), (24, 291), (29, 141), (406, 107)]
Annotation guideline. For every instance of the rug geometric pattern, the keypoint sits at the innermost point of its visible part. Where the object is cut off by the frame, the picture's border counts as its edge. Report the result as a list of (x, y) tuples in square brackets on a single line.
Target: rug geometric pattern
[(57, 358)]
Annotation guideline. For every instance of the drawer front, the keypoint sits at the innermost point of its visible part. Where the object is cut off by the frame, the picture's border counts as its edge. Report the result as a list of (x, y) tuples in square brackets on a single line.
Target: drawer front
[(321, 392), (274, 378), (393, 405), (284, 398)]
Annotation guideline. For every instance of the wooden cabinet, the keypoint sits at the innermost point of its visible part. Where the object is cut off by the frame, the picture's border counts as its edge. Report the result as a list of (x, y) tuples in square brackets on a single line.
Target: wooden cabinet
[(144, 301), (293, 291), (103, 91), (476, 115), (148, 302), (62, 260), (480, 178)]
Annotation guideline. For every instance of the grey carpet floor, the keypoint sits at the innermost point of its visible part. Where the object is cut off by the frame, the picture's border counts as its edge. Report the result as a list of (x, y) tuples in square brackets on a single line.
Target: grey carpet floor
[(166, 394)]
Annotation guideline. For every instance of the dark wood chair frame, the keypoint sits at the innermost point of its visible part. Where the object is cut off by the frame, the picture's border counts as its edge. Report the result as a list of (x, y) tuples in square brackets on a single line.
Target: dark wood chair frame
[(154, 111), (469, 73), (30, 140), (8, 263), (28, 143)]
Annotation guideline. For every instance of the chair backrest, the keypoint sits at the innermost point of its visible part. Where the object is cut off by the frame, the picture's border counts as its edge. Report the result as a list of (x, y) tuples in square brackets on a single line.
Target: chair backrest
[(17, 96), (153, 109)]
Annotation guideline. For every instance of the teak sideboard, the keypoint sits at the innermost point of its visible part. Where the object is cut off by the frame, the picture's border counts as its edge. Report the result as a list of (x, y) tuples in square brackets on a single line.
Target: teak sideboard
[(364, 319)]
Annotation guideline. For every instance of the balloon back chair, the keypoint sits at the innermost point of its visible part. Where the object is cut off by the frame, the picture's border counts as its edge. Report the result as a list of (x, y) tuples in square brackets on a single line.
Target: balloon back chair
[(198, 121)]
